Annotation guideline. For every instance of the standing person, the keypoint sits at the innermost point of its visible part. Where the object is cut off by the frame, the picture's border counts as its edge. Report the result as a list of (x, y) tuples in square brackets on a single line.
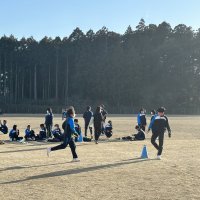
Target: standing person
[(159, 124), (69, 131), (153, 112), (104, 114), (141, 119), (49, 122), (98, 121), (88, 114)]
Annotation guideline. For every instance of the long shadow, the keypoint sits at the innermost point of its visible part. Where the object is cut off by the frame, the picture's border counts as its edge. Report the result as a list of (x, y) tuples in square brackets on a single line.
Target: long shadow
[(28, 167), (78, 170), (21, 150)]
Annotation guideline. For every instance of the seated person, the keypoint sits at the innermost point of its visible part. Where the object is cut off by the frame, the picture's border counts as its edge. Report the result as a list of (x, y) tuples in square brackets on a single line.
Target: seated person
[(78, 130), (14, 134), (58, 136), (140, 135), (29, 134), (42, 134), (108, 129), (3, 127)]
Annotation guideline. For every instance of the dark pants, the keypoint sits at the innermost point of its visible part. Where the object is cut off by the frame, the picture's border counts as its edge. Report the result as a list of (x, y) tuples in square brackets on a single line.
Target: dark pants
[(142, 127), (97, 132), (86, 128), (161, 140), (65, 143), (16, 137), (30, 136), (49, 127)]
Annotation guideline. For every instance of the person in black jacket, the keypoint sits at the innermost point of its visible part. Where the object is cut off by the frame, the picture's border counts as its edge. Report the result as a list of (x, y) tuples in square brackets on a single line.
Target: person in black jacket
[(98, 121), (49, 122), (68, 136), (159, 124), (88, 114), (3, 127)]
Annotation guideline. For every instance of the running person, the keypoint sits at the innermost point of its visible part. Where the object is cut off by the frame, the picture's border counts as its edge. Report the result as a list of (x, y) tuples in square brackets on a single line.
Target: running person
[(69, 131), (159, 124)]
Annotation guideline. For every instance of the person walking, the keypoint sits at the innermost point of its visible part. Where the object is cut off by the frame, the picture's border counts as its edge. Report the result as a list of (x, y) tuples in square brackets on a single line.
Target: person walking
[(158, 125)]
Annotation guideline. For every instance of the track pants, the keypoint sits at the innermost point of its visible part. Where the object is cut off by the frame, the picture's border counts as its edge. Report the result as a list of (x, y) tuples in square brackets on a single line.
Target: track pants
[(97, 132), (161, 140), (49, 129), (65, 143), (86, 128)]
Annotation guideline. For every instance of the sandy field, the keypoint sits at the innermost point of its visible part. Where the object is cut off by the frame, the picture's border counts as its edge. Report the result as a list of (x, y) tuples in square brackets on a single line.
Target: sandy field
[(110, 170)]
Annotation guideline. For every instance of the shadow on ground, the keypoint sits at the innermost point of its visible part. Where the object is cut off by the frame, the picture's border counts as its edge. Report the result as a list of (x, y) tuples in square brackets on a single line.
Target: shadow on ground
[(77, 170)]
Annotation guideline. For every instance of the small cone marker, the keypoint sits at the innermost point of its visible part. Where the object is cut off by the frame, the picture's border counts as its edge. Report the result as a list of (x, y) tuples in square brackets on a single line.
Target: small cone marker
[(144, 152)]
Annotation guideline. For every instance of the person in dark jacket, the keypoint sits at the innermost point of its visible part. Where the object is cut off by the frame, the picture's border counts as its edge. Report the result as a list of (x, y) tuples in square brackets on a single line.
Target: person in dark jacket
[(158, 125), (98, 121), (153, 112), (140, 134), (14, 134), (3, 127), (29, 133), (141, 119), (57, 134), (42, 134), (68, 137), (88, 114), (49, 122)]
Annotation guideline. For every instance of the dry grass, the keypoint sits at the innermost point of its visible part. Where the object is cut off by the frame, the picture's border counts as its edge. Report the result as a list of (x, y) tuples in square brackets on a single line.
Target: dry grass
[(109, 170)]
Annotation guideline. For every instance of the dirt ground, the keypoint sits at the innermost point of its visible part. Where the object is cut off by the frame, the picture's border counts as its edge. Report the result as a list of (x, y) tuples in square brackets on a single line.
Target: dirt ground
[(110, 170)]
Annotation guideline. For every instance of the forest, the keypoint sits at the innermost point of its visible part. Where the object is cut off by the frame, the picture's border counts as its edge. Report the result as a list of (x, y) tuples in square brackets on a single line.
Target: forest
[(147, 66)]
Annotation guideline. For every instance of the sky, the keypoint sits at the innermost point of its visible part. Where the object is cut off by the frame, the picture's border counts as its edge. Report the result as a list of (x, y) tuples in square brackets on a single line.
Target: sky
[(39, 18)]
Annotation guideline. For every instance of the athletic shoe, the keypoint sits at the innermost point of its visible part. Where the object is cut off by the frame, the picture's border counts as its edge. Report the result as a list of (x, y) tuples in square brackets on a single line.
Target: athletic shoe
[(75, 160), (22, 141), (48, 151), (96, 142), (159, 157)]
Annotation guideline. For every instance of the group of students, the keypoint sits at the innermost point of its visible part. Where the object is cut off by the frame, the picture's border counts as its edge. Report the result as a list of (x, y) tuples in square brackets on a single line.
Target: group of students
[(72, 131)]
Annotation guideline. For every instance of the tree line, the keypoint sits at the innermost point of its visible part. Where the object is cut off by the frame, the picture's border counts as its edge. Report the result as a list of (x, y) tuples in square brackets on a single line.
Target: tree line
[(149, 66)]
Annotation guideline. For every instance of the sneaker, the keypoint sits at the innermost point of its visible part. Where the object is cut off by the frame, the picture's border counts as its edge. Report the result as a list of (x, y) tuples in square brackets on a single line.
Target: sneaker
[(96, 142), (75, 160), (159, 157), (22, 141), (48, 151)]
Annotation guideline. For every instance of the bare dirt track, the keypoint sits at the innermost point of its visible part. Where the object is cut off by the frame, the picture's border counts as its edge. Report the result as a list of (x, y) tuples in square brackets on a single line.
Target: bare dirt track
[(110, 170)]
